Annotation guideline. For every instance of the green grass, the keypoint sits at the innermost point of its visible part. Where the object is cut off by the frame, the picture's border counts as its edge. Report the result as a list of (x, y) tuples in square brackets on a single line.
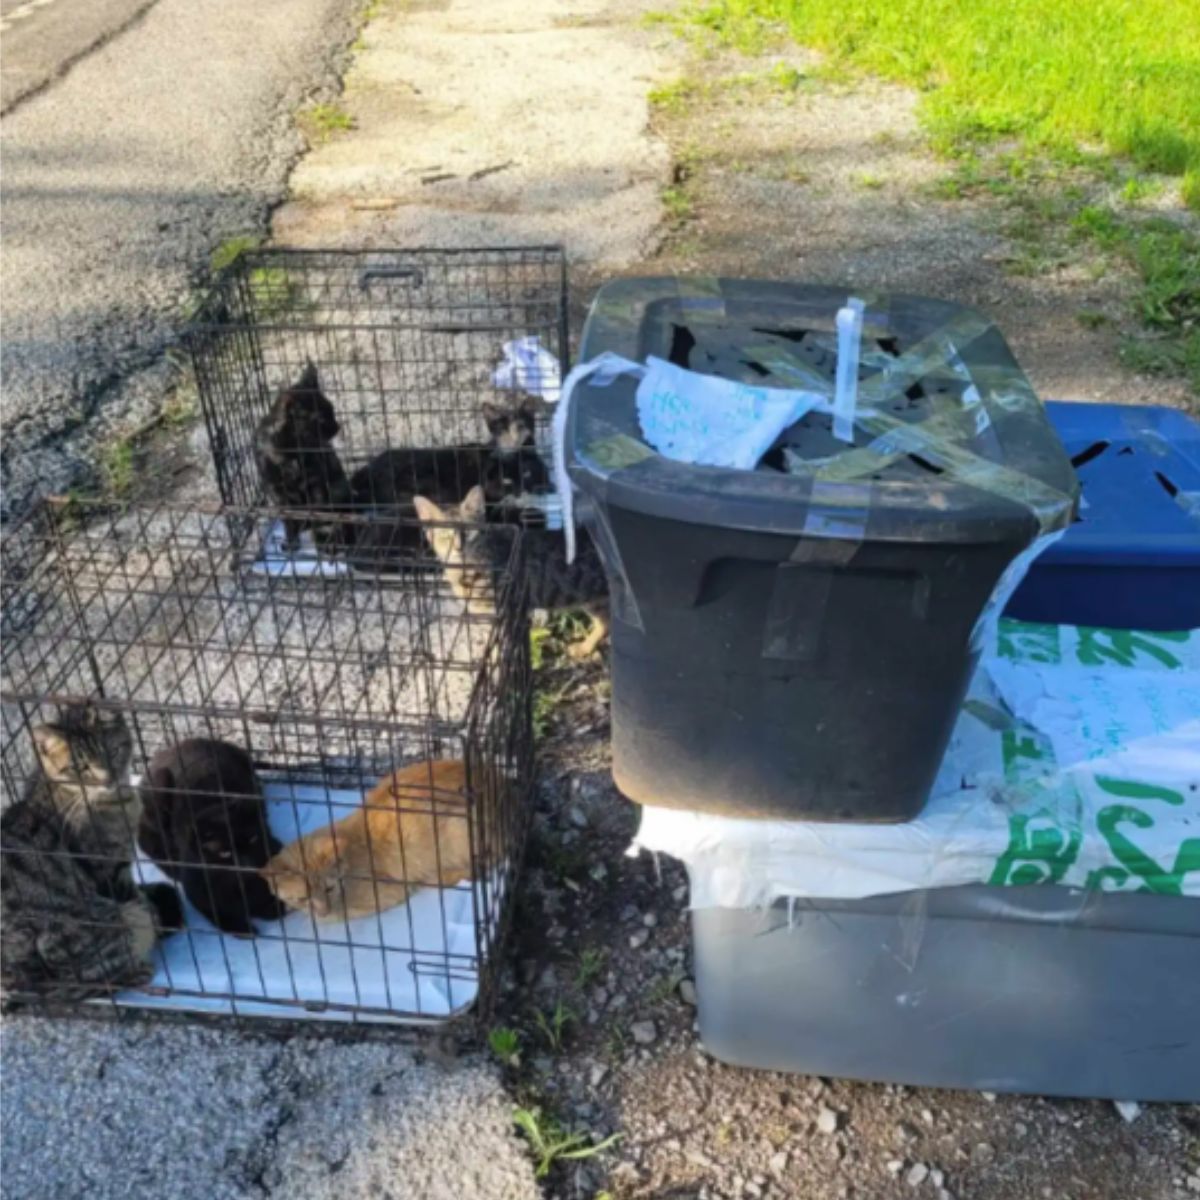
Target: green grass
[(553, 1026), (232, 248), (664, 987), (677, 203), (592, 961), (505, 1044), (116, 465), (550, 1143), (321, 121), (1121, 74)]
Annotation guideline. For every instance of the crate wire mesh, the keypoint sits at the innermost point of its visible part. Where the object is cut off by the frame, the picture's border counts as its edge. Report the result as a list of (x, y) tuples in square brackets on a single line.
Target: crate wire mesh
[(329, 688), (406, 346)]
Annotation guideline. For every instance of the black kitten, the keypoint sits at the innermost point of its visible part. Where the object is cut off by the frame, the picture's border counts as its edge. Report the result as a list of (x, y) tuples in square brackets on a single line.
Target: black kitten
[(507, 467), (299, 467), (204, 823)]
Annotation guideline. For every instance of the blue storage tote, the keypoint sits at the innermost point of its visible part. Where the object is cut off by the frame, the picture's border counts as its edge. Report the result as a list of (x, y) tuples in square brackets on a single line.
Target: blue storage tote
[(1132, 560)]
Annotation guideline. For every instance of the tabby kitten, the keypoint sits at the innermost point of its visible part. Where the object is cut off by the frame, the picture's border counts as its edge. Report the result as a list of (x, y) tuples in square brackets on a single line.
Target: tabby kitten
[(204, 823), (472, 556), (373, 859), (74, 923), (298, 465)]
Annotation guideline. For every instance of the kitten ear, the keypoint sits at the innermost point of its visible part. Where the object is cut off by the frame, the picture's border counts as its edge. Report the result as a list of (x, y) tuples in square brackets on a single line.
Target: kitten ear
[(53, 750), (474, 505), (427, 510), (492, 413), (529, 407), (309, 380)]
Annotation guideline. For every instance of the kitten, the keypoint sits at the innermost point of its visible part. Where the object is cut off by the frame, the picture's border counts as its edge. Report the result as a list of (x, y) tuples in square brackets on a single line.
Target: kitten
[(204, 823), (515, 425), (472, 553), (74, 923), (373, 859), (299, 467), (392, 478), (507, 467)]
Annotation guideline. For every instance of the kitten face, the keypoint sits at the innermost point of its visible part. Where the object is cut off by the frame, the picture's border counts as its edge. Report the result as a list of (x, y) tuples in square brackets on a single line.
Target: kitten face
[(511, 428), (315, 890), (85, 748), (311, 418), (458, 548)]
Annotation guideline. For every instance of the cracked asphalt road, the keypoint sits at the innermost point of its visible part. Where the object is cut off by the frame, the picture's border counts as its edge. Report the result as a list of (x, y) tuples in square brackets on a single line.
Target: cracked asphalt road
[(121, 177), (143, 1112)]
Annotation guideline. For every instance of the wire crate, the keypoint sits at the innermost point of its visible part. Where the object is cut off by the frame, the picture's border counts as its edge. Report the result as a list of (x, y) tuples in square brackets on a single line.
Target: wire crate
[(141, 615), (410, 348)]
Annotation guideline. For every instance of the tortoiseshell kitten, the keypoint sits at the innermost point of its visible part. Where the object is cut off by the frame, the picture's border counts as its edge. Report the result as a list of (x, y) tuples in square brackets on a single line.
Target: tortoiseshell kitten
[(298, 464)]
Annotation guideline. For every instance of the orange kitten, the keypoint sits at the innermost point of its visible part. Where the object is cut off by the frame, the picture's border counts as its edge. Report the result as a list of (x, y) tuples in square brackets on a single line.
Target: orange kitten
[(372, 859)]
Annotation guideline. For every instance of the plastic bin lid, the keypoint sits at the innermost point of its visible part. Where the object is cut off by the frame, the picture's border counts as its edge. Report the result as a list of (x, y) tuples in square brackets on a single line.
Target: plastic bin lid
[(1139, 470), (951, 443)]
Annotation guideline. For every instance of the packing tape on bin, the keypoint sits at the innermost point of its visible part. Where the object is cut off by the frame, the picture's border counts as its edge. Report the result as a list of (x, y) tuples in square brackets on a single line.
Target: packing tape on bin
[(839, 501)]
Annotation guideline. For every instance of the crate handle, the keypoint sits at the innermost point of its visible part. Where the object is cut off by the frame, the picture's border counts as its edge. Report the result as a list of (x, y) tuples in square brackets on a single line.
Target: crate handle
[(413, 275)]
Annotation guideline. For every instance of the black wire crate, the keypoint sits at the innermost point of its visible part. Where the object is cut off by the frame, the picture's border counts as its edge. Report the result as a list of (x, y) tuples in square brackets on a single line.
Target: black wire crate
[(352, 380), (264, 802)]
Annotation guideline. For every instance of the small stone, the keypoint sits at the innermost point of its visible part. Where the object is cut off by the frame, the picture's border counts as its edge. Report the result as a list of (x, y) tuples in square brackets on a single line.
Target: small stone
[(649, 920), (778, 1163), (679, 894), (577, 817), (752, 1189), (1020, 1129), (599, 873), (936, 1177), (906, 1132), (927, 1116), (945, 1194), (983, 1152), (687, 992), (1193, 1183), (547, 980), (600, 996), (597, 1074), (618, 1001), (1129, 1110), (827, 1120), (625, 1172), (644, 1032), (917, 1174), (629, 912), (895, 1165), (990, 1097), (639, 939), (698, 1158)]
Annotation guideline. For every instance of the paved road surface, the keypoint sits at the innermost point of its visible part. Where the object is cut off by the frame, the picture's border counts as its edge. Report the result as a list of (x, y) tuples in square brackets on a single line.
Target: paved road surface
[(42, 38), (120, 176)]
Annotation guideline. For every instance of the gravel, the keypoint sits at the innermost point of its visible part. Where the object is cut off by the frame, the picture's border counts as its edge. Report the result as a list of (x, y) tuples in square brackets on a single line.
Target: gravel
[(150, 1111), (827, 1121)]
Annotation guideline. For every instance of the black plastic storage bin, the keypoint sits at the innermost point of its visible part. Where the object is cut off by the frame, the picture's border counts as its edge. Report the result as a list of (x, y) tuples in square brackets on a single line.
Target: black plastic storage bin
[(796, 642)]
